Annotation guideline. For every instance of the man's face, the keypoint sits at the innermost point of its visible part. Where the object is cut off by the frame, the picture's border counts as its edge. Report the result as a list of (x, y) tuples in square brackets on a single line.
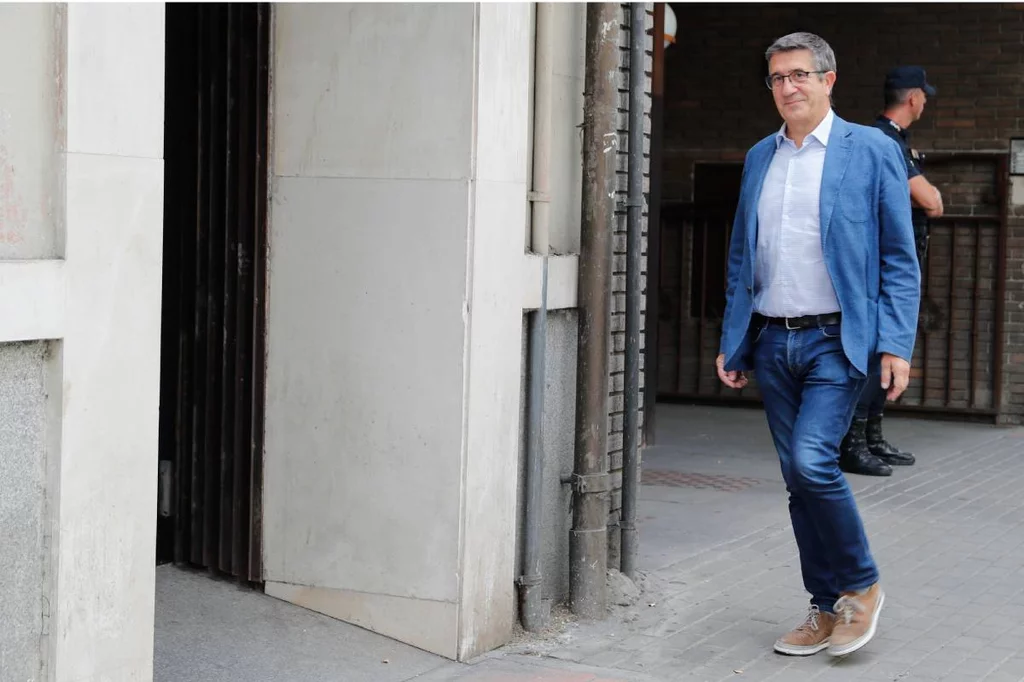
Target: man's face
[(917, 101), (800, 104)]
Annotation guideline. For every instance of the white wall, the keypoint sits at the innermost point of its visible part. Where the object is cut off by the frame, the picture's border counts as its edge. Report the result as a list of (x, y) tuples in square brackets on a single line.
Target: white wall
[(398, 201), (495, 345), (81, 199), (31, 139), (567, 117), (30, 146)]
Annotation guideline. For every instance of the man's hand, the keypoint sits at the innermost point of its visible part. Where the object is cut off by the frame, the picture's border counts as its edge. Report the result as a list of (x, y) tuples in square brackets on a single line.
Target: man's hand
[(732, 378), (895, 375)]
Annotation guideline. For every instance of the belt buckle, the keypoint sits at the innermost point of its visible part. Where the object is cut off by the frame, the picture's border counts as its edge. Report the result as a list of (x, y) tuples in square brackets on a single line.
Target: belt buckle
[(792, 329)]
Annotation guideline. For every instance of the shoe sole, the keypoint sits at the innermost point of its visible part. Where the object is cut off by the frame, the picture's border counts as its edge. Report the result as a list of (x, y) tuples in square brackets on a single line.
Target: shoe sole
[(861, 641), (783, 648), (896, 462)]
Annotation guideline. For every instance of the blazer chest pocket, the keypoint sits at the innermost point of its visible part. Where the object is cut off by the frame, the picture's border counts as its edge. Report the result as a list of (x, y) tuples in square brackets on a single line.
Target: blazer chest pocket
[(856, 201)]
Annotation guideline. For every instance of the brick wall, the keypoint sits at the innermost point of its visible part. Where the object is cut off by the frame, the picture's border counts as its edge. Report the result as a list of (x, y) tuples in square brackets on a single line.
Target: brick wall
[(618, 318), (716, 107)]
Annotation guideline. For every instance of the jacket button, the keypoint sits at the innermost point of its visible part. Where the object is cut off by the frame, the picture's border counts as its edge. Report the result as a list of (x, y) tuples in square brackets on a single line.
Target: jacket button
[(750, 290)]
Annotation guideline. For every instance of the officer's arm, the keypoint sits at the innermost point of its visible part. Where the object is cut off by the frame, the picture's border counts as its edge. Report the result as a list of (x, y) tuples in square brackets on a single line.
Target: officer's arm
[(925, 195)]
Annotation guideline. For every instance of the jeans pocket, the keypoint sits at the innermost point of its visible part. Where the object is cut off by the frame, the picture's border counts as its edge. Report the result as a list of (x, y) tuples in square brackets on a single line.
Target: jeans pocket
[(831, 331), (760, 332)]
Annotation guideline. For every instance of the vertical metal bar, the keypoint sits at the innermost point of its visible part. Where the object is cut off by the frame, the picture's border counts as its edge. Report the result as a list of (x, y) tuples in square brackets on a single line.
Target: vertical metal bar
[(179, 22), (260, 245), (534, 616), (652, 330), (533, 613), (188, 93), (199, 368), (1002, 183), (215, 293), (207, 335), (976, 335), (950, 322), (246, 190), (926, 331), (685, 266), (229, 267), (171, 305), (703, 297), (634, 244)]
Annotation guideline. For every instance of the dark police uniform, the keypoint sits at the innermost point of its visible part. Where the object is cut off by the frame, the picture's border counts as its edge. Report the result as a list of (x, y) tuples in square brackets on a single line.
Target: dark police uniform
[(913, 159)]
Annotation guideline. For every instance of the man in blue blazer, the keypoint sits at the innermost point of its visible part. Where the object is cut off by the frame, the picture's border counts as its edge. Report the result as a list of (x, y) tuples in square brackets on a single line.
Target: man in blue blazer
[(822, 292)]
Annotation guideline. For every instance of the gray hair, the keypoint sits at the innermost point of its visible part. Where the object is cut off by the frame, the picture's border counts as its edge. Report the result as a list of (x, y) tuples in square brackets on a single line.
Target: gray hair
[(896, 97), (824, 57)]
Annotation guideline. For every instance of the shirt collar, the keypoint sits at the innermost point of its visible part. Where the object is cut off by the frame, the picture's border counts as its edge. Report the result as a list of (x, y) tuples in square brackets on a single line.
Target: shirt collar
[(896, 126), (821, 133)]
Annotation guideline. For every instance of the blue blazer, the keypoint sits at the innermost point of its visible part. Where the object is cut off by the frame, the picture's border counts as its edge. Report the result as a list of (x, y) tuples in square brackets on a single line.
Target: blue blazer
[(867, 239)]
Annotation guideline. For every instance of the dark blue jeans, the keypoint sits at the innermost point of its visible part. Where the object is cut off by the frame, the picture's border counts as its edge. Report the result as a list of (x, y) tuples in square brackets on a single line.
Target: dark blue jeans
[(809, 398)]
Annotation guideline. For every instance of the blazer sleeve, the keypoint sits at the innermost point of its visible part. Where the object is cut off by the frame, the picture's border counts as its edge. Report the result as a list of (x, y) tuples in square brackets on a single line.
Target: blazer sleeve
[(900, 277), (736, 245)]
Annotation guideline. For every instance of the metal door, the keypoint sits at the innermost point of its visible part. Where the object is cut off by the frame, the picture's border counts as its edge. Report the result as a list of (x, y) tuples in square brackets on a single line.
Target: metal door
[(215, 219)]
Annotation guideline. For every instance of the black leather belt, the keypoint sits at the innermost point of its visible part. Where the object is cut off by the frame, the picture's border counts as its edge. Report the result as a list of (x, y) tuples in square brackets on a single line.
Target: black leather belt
[(805, 322)]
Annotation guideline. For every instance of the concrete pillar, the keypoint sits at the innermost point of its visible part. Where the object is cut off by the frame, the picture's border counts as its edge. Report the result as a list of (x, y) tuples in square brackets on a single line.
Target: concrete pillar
[(111, 350), (81, 200), (398, 209)]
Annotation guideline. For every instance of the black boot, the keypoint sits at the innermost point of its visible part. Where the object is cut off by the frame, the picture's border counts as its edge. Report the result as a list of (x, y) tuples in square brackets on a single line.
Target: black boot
[(883, 449), (854, 456)]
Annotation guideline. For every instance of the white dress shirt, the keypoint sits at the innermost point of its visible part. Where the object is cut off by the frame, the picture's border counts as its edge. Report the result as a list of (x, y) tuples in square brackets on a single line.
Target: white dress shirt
[(790, 278)]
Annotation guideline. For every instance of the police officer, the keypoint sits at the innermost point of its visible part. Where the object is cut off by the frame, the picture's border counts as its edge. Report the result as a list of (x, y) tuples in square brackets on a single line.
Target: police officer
[(865, 450)]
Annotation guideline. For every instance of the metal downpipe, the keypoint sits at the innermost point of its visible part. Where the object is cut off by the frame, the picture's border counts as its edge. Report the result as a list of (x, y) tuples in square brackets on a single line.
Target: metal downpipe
[(634, 227), (588, 542), (531, 608)]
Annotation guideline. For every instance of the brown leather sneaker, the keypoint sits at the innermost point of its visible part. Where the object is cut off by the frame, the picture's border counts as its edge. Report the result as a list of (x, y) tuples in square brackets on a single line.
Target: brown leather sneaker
[(809, 637), (856, 620)]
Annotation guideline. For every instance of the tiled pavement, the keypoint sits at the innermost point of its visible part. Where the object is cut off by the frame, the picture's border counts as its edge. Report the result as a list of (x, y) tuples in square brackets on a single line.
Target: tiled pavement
[(722, 580), (722, 571)]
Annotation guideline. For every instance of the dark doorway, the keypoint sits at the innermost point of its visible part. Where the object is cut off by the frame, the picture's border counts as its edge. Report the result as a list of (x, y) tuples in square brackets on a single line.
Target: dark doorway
[(212, 365), (716, 192)]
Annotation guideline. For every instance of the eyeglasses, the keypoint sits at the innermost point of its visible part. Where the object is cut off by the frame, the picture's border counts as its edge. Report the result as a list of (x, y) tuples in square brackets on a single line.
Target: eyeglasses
[(797, 77)]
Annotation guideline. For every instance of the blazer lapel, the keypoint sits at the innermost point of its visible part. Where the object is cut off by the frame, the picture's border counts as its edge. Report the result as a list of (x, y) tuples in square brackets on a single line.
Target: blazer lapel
[(837, 158)]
